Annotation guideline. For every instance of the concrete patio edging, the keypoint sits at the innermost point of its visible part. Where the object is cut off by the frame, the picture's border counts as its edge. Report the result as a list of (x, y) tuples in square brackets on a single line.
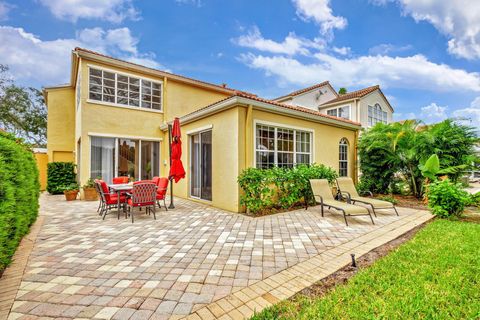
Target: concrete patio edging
[(283, 285), (13, 274)]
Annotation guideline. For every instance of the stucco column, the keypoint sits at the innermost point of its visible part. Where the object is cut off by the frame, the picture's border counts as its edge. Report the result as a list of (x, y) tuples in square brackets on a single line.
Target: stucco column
[(249, 137)]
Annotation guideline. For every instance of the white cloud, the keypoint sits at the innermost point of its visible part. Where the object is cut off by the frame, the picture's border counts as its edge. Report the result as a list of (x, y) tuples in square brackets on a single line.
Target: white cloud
[(471, 114), (433, 113), (291, 45), (386, 48), (459, 20), (4, 10), (37, 62), (343, 50), (109, 10), (197, 3), (399, 72), (320, 12)]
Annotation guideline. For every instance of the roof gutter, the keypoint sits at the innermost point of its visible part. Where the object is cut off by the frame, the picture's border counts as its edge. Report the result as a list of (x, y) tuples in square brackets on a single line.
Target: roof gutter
[(150, 71), (236, 100)]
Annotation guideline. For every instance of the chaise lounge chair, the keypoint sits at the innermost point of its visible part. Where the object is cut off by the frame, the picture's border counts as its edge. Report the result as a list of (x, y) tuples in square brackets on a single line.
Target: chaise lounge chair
[(323, 195), (347, 189)]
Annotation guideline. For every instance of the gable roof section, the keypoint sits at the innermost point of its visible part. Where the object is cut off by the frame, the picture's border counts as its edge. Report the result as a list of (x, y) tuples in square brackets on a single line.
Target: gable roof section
[(357, 95), (304, 90), (268, 105), (353, 95)]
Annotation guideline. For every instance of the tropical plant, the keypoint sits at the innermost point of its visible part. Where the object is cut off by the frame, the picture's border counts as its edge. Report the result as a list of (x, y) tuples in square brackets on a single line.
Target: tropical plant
[(342, 90), (71, 187), (401, 151)]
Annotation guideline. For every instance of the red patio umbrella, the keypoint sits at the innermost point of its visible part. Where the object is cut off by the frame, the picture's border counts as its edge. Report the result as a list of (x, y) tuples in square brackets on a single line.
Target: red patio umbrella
[(177, 171)]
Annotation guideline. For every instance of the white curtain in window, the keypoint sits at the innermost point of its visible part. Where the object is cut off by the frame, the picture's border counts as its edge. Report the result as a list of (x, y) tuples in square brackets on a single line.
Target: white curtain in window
[(102, 158)]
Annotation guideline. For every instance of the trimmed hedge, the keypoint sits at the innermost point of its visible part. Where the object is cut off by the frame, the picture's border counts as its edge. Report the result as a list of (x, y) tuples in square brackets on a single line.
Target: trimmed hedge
[(60, 175), (284, 188), (19, 192)]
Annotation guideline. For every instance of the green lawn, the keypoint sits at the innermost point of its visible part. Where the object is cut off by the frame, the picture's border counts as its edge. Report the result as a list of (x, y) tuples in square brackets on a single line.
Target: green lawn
[(436, 275)]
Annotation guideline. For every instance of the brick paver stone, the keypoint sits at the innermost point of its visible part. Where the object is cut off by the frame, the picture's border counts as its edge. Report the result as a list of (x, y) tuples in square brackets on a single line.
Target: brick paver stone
[(194, 258)]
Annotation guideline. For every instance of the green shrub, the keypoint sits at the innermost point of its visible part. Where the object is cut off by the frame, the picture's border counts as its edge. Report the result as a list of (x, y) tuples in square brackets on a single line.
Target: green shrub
[(19, 191), (284, 188), (59, 175), (446, 198), (474, 200)]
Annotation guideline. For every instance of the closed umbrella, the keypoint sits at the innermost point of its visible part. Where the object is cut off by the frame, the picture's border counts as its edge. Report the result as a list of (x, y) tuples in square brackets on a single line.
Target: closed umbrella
[(177, 171)]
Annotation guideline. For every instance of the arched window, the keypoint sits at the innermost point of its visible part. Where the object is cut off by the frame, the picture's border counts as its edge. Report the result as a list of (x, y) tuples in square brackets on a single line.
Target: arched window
[(376, 114), (343, 158)]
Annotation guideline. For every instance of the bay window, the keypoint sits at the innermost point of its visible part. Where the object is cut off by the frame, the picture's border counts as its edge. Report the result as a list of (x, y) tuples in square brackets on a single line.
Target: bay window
[(282, 147), (125, 90)]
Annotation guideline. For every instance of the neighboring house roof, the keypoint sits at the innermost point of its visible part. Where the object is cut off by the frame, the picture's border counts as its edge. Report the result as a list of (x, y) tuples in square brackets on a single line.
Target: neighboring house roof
[(356, 95), (269, 105), (304, 90)]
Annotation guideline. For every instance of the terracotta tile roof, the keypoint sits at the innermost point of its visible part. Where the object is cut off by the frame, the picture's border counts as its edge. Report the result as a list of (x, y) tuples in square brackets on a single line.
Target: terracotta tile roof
[(282, 105), (224, 87), (298, 92), (354, 94)]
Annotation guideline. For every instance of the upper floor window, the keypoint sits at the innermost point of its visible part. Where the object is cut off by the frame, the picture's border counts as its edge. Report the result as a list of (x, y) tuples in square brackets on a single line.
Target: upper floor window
[(124, 90), (343, 158), (342, 112), (376, 114), (281, 147)]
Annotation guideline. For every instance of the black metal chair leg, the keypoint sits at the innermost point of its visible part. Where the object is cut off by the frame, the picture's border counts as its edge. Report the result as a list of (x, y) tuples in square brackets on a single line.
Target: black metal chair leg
[(373, 209), (322, 209), (165, 204), (345, 217), (396, 211), (371, 217), (154, 216)]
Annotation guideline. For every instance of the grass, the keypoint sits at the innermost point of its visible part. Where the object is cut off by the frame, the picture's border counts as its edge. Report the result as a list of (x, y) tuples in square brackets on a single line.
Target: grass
[(436, 275)]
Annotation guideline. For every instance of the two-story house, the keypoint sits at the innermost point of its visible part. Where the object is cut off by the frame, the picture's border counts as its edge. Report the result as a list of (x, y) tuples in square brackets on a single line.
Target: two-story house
[(111, 120), (367, 106)]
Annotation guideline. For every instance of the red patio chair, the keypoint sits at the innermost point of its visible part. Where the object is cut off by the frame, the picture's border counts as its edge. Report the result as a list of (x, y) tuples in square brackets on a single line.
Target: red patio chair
[(109, 200), (162, 187), (120, 180), (143, 195)]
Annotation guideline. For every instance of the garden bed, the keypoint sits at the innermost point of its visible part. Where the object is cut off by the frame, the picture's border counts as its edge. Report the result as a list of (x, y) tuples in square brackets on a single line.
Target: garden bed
[(405, 201)]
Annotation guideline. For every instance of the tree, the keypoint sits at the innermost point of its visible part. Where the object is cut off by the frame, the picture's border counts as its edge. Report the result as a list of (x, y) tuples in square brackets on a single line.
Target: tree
[(22, 111), (401, 151), (342, 90)]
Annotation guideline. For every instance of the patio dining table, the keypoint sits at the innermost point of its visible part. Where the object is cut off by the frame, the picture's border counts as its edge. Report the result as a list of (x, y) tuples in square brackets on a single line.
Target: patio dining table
[(119, 188)]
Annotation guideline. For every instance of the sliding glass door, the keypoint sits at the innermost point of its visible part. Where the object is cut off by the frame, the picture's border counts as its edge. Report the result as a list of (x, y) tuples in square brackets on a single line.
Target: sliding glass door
[(128, 158), (113, 157), (201, 165)]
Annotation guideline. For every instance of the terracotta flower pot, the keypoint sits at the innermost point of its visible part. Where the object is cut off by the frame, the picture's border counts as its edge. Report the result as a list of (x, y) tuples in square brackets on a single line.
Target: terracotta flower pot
[(70, 195), (90, 194)]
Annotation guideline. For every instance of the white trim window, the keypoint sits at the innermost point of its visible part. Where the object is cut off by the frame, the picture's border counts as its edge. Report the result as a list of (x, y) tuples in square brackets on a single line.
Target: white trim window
[(343, 158), (376, 115), (341, 112), (282, 147), (125, 90)]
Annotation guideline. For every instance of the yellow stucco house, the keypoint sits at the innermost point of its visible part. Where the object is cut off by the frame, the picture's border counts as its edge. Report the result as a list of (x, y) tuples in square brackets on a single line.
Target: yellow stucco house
[(111, 120)]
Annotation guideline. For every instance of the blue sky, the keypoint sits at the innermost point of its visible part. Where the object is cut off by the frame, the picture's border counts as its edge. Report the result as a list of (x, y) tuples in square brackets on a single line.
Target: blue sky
[(424, 54)]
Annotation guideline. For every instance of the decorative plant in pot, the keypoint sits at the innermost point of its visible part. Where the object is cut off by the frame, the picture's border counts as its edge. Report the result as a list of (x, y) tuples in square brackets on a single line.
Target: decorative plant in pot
[(89, 192), (71, 191)]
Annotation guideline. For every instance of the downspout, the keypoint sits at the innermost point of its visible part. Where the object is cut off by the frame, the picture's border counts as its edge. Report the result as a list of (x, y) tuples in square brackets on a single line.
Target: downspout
[(248, 137)]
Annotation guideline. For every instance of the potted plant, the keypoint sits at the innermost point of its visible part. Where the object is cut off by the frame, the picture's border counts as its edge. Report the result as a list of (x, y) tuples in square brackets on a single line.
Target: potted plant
[(89, 192), (70, 191)]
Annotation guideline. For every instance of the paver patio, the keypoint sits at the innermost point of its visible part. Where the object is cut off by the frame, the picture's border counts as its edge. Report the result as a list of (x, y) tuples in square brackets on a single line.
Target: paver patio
[(194, 259)]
